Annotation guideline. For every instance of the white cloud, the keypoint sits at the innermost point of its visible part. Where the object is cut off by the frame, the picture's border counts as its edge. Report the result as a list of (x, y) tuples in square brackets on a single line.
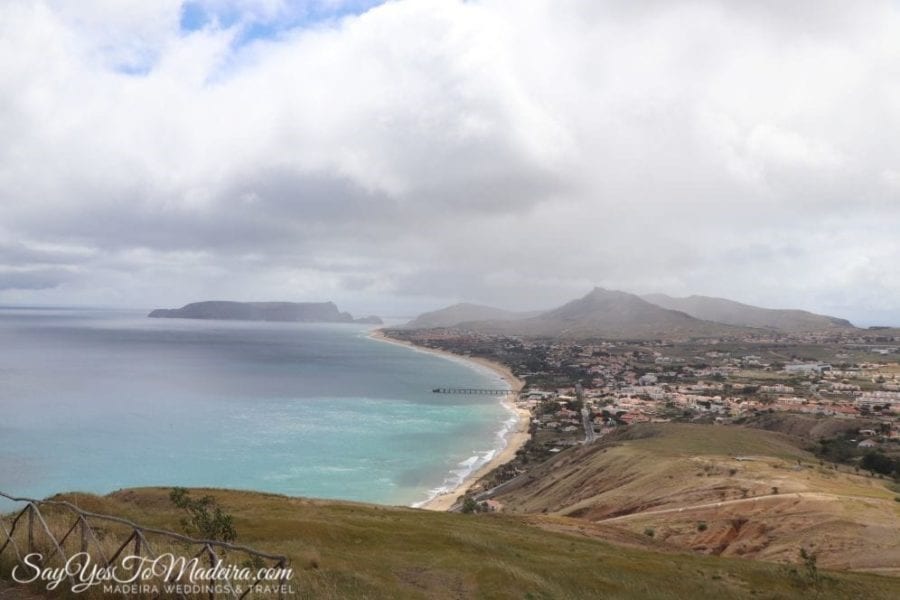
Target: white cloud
[(505, 152)]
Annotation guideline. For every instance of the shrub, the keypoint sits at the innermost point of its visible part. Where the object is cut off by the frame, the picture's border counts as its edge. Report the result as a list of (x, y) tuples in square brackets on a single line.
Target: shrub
[(877, 462), (701, 526), (810, 566), (469, 505), (649, 532), (205, 518)]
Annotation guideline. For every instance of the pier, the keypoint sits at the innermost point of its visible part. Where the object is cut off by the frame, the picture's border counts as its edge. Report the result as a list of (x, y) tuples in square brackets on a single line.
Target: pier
[(472, 391)]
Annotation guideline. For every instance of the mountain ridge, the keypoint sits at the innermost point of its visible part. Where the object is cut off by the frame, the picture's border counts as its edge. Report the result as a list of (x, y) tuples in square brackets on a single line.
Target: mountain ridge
[(603, 313), (615, 314), (731, 312), (464, 312), (621, 315)]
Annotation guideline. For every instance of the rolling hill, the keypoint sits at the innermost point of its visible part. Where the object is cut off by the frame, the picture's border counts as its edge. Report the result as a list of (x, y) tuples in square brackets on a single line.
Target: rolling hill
[(463, 313), (350, 550), (727, 491), (730, 312)]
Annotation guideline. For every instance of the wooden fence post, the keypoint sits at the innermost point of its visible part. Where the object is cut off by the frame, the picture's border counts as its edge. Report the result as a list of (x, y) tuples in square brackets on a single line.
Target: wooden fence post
[(137, 552), (212, 582), (136, 540), (30, 528), (84, 534)]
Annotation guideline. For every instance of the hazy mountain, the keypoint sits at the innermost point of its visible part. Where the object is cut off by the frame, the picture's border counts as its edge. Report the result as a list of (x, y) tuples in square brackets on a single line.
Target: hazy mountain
[(610, 314), (463, 313), (306, 312), (615, 314), (721, 310)]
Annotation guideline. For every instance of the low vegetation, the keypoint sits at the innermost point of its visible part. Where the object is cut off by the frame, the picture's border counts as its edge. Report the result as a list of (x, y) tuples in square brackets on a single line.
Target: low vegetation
[(205, 518), (347, 550), (721, 490)]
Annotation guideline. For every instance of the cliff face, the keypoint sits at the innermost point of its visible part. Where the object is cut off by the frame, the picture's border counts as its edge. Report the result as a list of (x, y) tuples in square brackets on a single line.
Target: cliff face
[(295, 312)]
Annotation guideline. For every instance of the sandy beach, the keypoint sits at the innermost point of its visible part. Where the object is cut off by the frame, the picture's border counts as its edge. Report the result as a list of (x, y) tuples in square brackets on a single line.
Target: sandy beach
[(515, 439)]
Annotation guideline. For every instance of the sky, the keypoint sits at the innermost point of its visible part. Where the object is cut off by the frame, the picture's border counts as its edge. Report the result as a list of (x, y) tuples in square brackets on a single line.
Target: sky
[(399, 156)]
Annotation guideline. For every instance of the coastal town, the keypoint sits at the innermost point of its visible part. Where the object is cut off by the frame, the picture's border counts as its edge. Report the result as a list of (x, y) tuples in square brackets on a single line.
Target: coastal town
[(449, 300), (578, 392)]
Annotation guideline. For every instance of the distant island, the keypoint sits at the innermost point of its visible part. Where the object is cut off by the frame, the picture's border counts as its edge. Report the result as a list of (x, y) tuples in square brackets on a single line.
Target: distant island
[(291, 312)]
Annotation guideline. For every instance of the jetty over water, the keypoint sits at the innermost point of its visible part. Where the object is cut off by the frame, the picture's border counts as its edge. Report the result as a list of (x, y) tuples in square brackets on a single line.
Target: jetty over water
[(472, 391)]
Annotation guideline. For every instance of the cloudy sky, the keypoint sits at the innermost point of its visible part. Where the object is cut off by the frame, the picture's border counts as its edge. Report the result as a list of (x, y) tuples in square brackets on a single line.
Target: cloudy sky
[(402, 155)]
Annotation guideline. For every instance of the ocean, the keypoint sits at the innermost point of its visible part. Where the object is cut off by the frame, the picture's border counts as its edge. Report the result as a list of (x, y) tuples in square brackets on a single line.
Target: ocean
[(98, 400)]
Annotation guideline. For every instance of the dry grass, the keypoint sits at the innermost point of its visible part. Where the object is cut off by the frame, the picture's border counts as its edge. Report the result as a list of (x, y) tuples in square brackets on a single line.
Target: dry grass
[(668, 478), (105, 541), (347, 550)]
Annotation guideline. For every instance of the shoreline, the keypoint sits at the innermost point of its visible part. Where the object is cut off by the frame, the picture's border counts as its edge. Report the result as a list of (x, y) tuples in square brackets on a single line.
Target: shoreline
[(515, 438)]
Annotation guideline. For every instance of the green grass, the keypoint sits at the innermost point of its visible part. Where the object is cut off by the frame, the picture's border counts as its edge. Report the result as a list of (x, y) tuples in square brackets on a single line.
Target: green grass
[(346, 550)]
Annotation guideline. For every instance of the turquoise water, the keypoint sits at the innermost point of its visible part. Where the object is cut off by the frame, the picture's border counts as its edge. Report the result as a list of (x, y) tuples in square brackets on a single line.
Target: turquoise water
[(100, 400)]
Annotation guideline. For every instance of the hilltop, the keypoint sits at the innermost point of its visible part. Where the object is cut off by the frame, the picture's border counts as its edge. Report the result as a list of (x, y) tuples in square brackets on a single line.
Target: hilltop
[(614, 314), (607, 314), (304, 312), (730, 312), (352, 550), (463, 313)]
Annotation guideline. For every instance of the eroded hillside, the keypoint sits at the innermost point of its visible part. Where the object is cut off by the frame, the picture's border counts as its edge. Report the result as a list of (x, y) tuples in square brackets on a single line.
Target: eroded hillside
[(726, 491)]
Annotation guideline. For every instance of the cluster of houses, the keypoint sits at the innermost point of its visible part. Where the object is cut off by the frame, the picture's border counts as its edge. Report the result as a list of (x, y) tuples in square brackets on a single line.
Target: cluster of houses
[(619, 394), (632, 382)]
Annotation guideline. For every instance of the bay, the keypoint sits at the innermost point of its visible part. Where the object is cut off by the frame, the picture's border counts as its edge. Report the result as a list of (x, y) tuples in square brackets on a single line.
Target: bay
[(98, 400)]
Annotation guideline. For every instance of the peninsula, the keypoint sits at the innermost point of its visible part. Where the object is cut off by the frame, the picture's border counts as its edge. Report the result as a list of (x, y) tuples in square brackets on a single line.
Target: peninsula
[(295, 312)]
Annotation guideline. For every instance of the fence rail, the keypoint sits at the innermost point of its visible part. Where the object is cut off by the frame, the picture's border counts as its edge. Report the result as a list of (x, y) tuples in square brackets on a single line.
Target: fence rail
[(31, 530)]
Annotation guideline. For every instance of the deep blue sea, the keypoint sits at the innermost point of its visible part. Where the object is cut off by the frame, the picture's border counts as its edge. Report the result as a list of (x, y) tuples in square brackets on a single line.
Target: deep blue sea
[(97, 400)]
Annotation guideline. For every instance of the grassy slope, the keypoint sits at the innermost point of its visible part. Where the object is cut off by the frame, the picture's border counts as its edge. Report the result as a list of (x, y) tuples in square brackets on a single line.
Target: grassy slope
[(346, 550), (809, 427), (670, 478)]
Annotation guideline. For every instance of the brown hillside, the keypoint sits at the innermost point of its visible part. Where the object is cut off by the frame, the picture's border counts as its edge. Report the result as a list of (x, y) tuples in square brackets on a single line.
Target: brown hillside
[(756, 494), (344, 550)]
